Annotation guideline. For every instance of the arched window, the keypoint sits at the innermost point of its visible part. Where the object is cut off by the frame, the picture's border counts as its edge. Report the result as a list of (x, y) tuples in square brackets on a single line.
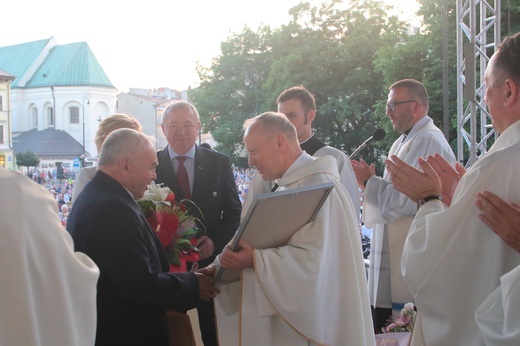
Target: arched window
[(74, 115), (34, 114), (50, 116)]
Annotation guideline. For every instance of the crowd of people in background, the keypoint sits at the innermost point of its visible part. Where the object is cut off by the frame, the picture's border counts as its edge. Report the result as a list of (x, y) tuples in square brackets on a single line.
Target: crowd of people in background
[(242, 179), (62, 190), (46, 176), (41, 176)]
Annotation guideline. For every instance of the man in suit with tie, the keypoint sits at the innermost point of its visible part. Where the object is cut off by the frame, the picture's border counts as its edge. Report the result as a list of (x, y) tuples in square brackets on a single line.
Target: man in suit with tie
[(205, 177), (106, 223)]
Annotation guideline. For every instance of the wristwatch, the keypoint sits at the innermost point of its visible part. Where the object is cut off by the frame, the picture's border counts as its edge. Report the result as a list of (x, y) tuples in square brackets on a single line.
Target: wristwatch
[(427, 199)]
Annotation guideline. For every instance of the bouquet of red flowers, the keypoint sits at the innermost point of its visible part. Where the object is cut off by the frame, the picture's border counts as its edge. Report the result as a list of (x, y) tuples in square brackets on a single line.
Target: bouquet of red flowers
[(175, 228)]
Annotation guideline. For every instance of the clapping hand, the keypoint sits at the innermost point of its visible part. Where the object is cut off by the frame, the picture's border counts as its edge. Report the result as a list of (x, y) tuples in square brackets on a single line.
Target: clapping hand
[(503, 218), (449, 175), (362, 171), (410, 181)]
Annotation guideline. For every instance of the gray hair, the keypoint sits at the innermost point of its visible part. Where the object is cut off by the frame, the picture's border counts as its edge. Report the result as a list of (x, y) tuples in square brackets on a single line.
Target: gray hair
[(122, 143), (273, 123), (180, 105)]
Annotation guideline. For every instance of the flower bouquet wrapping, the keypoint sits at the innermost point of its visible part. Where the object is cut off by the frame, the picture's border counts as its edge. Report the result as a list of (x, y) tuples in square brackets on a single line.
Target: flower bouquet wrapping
[(171, 222)]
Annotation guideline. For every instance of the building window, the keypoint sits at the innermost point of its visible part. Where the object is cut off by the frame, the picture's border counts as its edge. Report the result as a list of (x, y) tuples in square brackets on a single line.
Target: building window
[(34, 112), (1, 134), (50, 116), (1, 103), (74, 115)]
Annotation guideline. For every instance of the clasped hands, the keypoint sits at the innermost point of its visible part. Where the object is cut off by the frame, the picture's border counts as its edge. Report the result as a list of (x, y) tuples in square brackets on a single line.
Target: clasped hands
[(206, 279), (229, 259)]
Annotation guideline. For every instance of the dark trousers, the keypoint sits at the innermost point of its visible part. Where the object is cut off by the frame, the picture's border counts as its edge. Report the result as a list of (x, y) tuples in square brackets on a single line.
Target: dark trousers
[(206, 311), (380, 318)]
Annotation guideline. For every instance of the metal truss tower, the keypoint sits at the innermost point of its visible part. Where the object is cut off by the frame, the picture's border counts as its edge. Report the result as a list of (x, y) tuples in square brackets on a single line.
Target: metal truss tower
[(478, 34)]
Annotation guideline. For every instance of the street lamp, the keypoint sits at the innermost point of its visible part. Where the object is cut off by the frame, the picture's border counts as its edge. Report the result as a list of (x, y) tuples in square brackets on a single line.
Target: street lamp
[(86, 99)]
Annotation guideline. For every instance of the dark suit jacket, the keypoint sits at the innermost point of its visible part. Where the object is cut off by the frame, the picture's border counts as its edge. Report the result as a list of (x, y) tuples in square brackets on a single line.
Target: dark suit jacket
[(214, 192), (134, 287)]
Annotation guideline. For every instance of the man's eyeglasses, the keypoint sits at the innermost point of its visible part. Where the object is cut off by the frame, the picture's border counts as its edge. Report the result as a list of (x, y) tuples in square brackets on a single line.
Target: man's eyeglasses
[(391, 106)]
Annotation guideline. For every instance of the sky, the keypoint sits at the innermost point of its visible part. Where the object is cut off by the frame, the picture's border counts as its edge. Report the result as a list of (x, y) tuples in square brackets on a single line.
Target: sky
[(147, 44)]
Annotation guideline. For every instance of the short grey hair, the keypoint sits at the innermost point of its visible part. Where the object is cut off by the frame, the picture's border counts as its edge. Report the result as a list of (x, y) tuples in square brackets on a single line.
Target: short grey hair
[(180, 105), (273, 123), (122, 143)]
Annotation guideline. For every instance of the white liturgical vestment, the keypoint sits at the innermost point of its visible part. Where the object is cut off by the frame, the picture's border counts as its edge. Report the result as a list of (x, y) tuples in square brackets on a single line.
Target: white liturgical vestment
[(47, 291), (347, 177), (452, 261), (498, 317), (311, 291), (390, 214)]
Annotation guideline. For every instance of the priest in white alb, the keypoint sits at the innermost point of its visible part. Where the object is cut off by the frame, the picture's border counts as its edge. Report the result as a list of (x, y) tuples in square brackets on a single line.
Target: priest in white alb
[(386, 210), (313, 290), (452, 261)]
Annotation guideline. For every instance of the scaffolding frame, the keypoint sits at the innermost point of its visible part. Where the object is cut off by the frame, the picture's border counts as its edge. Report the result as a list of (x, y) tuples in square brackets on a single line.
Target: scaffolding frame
[(478, 35)]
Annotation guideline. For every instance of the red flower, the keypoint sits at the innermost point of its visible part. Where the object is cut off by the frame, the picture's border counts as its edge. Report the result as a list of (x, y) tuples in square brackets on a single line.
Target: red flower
[(175, 228), (152, 220), (168, 224), (170, 197)]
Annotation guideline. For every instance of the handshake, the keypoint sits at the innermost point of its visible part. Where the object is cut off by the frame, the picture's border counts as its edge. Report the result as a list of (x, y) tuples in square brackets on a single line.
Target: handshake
[(206, 279), (229, 259)]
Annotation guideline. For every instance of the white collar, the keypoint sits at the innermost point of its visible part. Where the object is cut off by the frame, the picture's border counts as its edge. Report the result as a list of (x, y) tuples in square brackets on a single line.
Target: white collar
[(190, 153)]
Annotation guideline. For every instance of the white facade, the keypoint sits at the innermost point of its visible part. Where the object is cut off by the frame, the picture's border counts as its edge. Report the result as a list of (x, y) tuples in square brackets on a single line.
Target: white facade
[(75, 109), (144, 110), (147, 107)]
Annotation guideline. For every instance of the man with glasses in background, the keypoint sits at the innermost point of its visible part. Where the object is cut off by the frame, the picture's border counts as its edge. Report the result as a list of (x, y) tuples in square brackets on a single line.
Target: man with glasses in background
[(388, 211)]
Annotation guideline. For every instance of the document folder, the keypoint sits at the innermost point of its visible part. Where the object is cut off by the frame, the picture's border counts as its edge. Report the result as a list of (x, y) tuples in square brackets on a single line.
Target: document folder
[(274, 217)]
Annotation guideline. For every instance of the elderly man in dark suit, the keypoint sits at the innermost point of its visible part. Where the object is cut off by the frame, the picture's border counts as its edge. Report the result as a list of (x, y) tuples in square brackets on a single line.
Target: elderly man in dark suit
[(107, 224), (205, 177)]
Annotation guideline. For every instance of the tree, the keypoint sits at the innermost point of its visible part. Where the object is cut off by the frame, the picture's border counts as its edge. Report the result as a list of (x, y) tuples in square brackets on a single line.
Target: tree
[(510, 19), (341, 43), (330, 49), (27, 159), (347, 54), (420, 56), (231, 90)]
